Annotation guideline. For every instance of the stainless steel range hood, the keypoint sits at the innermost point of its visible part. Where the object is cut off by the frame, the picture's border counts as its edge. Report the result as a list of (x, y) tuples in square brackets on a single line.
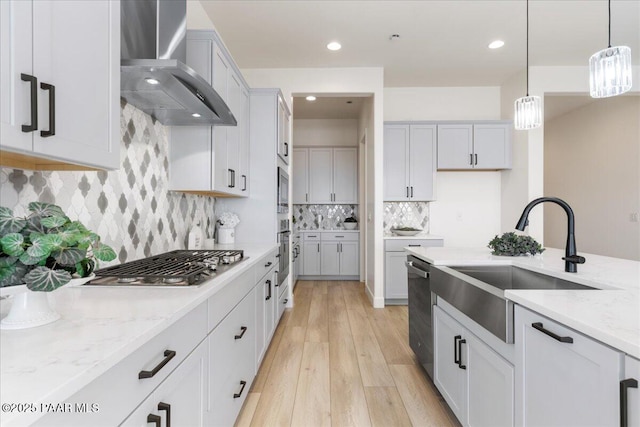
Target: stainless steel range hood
[(154, 76)]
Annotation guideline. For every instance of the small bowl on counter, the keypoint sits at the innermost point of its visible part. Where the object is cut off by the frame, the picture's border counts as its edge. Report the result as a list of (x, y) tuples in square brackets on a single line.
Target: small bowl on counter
[(350, 225), (405, 231)]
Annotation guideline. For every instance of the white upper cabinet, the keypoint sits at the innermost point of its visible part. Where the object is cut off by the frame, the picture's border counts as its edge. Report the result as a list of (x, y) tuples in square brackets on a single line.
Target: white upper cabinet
[(284, 143), (60, 84), (409, 162), (332, 175), (213, 159), (474, 146)]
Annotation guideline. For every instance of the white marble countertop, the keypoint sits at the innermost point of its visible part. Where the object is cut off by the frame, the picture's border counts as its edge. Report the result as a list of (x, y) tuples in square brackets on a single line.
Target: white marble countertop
[(610, 314), (420, 236), (100, 326), (329, 230)]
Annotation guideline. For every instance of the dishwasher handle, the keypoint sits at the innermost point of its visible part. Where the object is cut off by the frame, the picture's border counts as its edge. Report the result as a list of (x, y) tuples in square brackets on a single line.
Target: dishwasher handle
[(413, 269)]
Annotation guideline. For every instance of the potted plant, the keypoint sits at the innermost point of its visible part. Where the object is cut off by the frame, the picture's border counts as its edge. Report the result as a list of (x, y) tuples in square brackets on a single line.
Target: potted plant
[(44, 251), (511, 244)]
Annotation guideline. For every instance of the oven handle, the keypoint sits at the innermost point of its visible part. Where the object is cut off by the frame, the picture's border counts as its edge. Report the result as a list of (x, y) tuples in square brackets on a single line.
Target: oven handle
[(415, 270)]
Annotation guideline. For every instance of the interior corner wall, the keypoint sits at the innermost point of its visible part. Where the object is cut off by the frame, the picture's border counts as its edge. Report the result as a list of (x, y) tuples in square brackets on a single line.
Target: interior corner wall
[(329, 132), (592, 161), (466, 211), (197, 18)]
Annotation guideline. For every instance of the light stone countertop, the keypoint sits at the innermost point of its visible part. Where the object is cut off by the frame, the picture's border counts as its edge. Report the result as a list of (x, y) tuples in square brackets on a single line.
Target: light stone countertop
[(100, 326), (610, 314), (420, 236), (328, 230)]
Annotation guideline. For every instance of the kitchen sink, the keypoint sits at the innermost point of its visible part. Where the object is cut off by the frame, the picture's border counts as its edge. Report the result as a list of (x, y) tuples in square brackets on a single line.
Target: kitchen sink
[(478, 292)]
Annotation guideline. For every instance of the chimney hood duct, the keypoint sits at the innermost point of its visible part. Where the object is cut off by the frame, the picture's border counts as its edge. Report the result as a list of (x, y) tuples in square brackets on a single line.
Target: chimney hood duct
[(153, 73)]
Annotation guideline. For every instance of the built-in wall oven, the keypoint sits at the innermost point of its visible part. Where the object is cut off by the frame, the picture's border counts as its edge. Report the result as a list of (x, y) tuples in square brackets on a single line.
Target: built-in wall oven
[(284, 253), (283, 191)]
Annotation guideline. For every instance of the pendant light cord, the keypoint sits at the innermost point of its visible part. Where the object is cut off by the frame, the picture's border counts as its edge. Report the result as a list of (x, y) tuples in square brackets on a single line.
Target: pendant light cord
[(609, 23), (528, 44)]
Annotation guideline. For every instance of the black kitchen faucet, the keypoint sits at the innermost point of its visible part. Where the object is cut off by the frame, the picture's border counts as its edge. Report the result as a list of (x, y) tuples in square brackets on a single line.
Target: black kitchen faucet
[(571, 257)]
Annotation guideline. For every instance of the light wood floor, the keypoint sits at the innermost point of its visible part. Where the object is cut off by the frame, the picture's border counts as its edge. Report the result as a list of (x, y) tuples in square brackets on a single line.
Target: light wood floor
[(336, 361)]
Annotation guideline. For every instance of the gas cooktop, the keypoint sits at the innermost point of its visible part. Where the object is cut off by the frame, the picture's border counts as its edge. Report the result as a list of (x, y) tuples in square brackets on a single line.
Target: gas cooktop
[(176, 268)]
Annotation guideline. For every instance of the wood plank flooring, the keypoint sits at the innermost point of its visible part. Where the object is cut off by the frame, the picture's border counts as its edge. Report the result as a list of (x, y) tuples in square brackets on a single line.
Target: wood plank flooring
[(336, 361)]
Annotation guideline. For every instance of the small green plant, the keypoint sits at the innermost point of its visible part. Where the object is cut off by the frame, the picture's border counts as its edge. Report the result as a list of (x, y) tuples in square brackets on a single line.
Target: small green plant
[(511, 244), (44, 249)]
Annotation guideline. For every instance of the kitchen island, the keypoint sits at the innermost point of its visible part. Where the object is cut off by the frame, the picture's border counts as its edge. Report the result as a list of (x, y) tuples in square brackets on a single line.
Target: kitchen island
[(100, 327)]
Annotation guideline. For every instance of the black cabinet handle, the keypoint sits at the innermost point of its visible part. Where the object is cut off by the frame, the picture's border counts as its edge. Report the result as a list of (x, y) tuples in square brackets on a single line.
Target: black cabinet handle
[(415, 246), (152, 418), (471, 159), (286, 300), (407, 192), (268, 283), (538, 326), (286, 149), (268, 264), (244, 182), (168, 355), (412, 191), (624, 404), (230, 185), (34, 102), (238, 394), (166, 407), (277, 255), (476, 157), (243, 329), (460, 365), (456, 356), (52, 110), (318, 247)]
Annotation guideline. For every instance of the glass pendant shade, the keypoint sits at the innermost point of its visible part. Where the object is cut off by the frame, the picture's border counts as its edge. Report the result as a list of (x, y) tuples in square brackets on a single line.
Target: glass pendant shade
[(528, 114), (610, 72)]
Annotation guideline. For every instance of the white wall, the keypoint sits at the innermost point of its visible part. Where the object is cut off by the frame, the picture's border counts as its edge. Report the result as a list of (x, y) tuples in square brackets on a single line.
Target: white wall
[(467, 207), (592, 161), (342, 132), (197, 18), (356, 81)]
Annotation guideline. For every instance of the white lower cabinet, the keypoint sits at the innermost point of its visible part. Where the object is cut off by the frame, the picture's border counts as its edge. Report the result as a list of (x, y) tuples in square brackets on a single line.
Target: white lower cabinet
[(181, 400), (476, 382), (311, 258), (563, 377), (630, 393), (396, 285)]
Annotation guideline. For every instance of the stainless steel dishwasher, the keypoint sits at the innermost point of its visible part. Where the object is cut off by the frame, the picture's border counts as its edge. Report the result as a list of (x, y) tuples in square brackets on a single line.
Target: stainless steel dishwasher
[(421, 300)]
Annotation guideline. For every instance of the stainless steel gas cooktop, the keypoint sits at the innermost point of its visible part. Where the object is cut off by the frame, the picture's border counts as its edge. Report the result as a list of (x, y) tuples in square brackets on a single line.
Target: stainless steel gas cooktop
[(176, 268)]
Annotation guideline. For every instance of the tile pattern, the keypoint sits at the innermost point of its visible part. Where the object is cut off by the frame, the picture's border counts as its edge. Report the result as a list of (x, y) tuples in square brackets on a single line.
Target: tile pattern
[(406, 214), (131, 208), (314, 217)]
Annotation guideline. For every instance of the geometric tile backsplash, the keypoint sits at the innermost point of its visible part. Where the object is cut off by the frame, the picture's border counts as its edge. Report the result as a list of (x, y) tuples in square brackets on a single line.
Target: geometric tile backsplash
[(130, 208), (328, 217), (406, 214)]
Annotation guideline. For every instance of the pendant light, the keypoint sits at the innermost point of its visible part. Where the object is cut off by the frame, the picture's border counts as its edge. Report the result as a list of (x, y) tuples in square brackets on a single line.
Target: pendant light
[(610, 69), (528, 114)]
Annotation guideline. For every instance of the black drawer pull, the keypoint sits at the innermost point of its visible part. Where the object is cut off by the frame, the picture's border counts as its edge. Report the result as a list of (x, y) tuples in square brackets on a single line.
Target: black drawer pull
[(456, 356), (238, 394), (624, 385), (415, 246), (243, 329), (168, 355), (244, 182), (460, 365), (538, 326), (152, 418), (166, 407), (268, 283), (52, 110), (268, 264), (33, 83), (286, 300)]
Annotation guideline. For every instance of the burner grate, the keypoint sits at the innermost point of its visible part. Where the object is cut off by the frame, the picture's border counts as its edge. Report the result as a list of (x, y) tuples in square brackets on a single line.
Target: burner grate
[(186, 265)]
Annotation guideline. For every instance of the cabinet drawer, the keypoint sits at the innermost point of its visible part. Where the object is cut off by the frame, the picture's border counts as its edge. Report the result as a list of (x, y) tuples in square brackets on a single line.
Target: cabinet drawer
[(337, 236), (398, 245), (221, 303), (266, 264), (311, 236), (282, 302), (119, 390)]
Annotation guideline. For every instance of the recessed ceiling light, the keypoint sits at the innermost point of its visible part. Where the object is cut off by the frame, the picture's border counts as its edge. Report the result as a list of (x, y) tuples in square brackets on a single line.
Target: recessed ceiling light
[(196, 115), (334, 46), (496, 44), (152, 81), (311, 98)]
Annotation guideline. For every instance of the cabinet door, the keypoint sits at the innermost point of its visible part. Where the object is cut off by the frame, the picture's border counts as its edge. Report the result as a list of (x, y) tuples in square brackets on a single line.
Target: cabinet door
[(182, 398), (288, 146), (320, 175), (395, 276), (490, 384), (422, 159), (492, 146), (448, 376), (631, 373), (233, 135), (329, 258), (396, 170), (300, 262), (76, 48), (455, 146), (345, 175), (349, 259), (311, 258), (283, 123), (563, 383), (16, 42), (243, 179), (269, 284), (300, 176), (260, 306)]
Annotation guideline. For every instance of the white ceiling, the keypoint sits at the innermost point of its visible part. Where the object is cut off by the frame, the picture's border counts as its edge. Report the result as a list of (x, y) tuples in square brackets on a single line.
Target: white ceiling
[(327, 107), (442, 43)]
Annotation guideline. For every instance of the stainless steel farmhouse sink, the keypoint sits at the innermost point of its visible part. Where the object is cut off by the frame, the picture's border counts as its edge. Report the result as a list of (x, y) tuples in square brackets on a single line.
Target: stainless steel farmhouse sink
[(478, 292)]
